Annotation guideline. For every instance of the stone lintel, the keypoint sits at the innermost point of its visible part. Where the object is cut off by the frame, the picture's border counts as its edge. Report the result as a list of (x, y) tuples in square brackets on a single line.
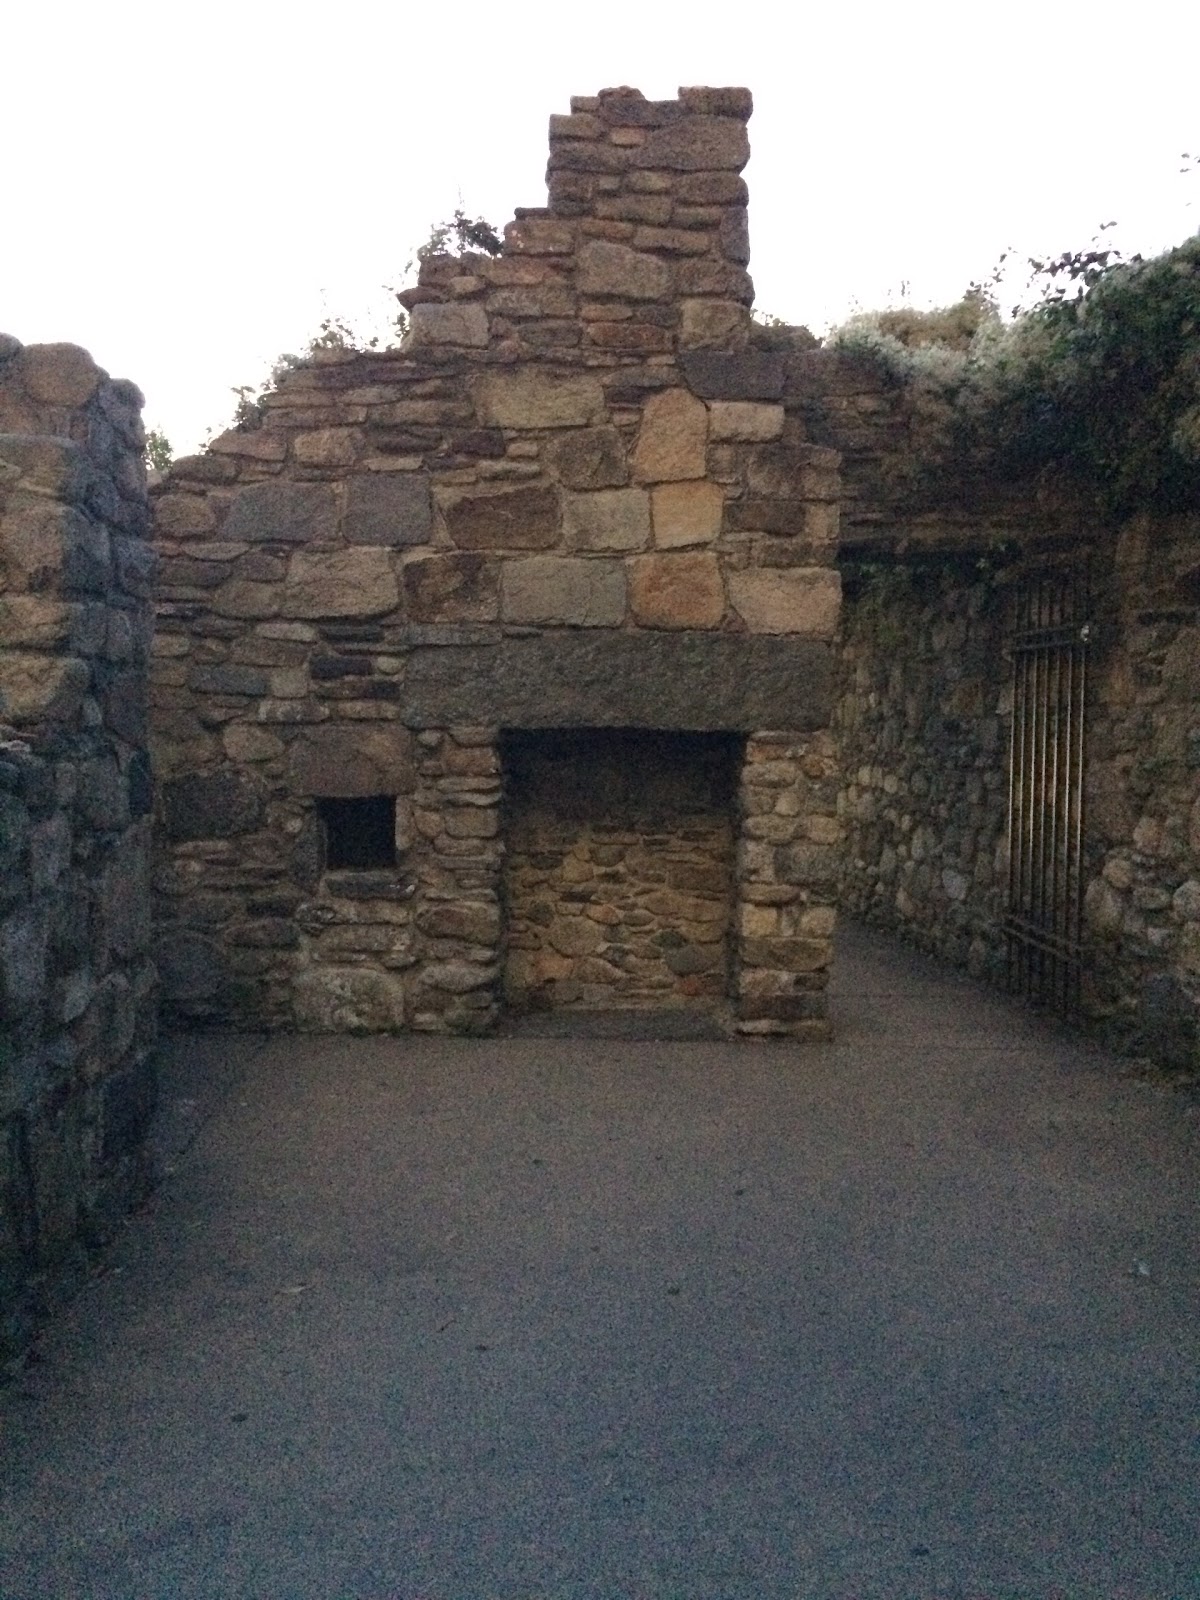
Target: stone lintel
[(612, 678)]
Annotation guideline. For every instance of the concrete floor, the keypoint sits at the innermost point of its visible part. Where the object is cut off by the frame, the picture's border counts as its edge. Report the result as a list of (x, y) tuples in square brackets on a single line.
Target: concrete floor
[(910, 1315)]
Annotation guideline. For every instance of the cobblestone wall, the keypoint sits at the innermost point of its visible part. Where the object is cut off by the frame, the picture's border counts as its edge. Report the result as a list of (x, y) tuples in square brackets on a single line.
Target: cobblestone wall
[(576, 499), (76, 983)]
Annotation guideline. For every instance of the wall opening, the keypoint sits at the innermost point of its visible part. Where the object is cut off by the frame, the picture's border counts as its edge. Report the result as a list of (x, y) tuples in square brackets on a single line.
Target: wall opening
[(358, 834), (619, 869)]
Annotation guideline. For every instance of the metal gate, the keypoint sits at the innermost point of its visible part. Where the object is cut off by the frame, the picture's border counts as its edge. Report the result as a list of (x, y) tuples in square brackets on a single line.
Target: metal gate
[(1048, 645)]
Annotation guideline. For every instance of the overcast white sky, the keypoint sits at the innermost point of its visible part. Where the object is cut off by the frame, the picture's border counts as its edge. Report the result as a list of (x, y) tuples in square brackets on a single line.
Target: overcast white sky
[(189, 188)]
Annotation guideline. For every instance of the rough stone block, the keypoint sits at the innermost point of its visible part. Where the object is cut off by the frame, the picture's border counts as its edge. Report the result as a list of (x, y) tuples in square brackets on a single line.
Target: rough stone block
[(676, 591), (326, 447), (734, 234), (532, 399), (672, 440), (48, 465), (714, 682), (454, 324), (696, 144), (359, 582), (747, 420), (607, 519), (296, 513), (686, 513), (210, 805), (539, 236), (351, 762), (713, 324), (734, 375), (34, 688), (589, 458), (503, 518), (463, 587), (184, 516), (788, 600), (59, 374), (714, 102), (605, 268), (388, 508), (563, 590), (34, 620), (348, 1000)]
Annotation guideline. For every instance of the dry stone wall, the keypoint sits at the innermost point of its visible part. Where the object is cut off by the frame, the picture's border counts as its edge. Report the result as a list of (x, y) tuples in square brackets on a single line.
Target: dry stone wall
[(76, 982), (576, 498), (1142, 902), (924, 717)]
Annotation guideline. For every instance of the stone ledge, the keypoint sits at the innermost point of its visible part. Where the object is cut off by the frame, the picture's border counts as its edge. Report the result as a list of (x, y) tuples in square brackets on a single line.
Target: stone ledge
[(611, 678)]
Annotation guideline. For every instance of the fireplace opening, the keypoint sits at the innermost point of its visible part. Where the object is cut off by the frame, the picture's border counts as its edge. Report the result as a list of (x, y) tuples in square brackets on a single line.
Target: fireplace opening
[(618, 873)]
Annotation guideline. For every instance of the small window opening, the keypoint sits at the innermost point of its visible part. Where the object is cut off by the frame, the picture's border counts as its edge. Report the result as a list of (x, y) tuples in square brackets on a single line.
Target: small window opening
[(358, 833)]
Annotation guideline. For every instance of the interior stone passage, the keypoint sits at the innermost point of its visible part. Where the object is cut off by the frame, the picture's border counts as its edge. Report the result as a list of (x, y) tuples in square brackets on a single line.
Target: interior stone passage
[(618, 879)]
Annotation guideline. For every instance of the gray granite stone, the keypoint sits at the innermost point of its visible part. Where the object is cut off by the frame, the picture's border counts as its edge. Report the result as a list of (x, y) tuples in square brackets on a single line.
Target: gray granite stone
[(613, 678)]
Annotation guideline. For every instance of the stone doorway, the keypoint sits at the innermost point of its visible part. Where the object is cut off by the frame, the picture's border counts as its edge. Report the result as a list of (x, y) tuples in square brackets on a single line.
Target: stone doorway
[(618, 882)]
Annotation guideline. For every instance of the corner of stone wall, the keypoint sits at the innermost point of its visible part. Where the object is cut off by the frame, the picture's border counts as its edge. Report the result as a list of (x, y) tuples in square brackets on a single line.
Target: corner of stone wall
[(76, 980)]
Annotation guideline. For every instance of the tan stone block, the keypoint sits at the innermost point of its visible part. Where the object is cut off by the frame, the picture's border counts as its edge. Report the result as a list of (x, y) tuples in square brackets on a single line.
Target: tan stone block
[(532, 399), (788, 600), (574, 936), (686, 513), (34, 688), (672, 241), (696, 144), (713, 325), (608, 268), (607, 519), (744, 419), (570, 591), (246, 742), (539, 236), (183, 516), (672, 439), (241, 598), (581, 125), (261, 444), (360, 582), (637, 338), (326, 447), (824, 830), (456, 324), (33, 620), (759, 922), (676, 591), (59, 374)]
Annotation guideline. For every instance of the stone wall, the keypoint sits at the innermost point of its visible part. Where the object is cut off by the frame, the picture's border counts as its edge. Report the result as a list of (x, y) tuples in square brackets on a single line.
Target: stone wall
[(76, 983), (576, 499), (618, 878), (924, 718), (1142, 906)]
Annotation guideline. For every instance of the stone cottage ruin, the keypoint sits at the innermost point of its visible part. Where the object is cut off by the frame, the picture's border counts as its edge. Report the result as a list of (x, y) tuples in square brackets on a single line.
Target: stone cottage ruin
[(497, 670), (585, 653)]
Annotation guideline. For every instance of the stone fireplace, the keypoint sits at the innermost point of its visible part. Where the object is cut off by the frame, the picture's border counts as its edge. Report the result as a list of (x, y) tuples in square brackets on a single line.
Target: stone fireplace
[(617, 885), (497, 669)]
